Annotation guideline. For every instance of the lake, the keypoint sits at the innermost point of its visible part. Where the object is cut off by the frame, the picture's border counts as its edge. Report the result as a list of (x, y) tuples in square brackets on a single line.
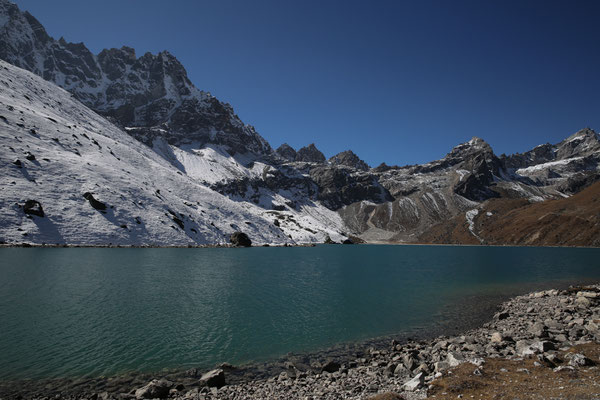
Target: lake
[(99, 311)]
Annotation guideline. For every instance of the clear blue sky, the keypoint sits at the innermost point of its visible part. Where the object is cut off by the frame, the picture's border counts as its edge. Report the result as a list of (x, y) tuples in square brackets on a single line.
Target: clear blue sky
[(395, 81)]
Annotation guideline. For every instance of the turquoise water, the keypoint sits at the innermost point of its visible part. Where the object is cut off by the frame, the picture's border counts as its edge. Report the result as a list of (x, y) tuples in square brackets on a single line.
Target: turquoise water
[(74, 312)]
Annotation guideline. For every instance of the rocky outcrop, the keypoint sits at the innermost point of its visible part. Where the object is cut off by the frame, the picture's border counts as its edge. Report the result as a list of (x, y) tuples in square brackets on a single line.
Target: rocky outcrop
[(240, 239), (96, 204), (342, 186), (33, 207), (310, 153), (349, 159), (477, 184)]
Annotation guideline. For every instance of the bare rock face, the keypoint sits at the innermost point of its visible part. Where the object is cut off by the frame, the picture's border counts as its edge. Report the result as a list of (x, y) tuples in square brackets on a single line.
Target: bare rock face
[(340, 186), (349, 159), (287, 152), (240, 239), (138, 92), (310, 153)]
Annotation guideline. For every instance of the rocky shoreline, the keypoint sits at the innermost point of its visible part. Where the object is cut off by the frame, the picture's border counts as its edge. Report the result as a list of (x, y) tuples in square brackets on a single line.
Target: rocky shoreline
[(538, 327)]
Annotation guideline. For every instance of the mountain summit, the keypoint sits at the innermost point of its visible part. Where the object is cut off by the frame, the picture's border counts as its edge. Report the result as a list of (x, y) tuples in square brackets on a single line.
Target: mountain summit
[(151, 94)]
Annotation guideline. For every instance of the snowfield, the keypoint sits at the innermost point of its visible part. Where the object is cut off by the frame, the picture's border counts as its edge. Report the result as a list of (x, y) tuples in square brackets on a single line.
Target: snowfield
[(154, 196)]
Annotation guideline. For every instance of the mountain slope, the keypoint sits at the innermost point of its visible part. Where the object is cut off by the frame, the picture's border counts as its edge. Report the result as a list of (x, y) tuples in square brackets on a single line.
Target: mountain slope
[(65, 150), (571, 221), (143, 92), (166, 135)]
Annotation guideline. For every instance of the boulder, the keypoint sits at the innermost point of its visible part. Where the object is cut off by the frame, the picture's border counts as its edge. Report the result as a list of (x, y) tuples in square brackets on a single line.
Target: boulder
[(98, 205), (33, 207), (156, 389), (542, 346), (415, 383), (454, 359), (329, 241), (401, 370), (583, 302), (579, 360), (496, 337), (214, 378), (331, 367), (240, 239)]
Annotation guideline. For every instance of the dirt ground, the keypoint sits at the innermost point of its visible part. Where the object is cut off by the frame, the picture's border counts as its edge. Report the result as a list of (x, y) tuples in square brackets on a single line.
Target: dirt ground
[(514, 379)]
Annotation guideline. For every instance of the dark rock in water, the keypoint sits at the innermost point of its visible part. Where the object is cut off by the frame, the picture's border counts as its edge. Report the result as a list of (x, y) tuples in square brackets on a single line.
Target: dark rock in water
[(156, 389), (98, 205), (348, 241), (30, 156), (240, 239), (214, 378), (18, 163), (33, 207), (331, 367)]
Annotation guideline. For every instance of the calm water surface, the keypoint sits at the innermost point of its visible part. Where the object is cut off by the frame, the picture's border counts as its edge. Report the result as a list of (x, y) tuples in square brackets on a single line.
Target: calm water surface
[(73, 312)]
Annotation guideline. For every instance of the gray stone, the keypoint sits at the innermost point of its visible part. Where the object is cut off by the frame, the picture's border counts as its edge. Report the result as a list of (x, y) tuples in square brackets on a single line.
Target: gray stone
[(454, 359), (579, 360), (415, 383), (583, 302), (214, 378), (156, 389)]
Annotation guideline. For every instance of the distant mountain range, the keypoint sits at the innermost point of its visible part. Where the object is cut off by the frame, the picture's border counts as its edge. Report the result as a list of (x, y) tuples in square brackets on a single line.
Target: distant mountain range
[(175, 166)]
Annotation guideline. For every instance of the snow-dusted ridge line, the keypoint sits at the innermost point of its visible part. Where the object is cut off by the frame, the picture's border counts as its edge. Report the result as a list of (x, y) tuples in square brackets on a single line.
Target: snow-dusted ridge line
[(78, 151)]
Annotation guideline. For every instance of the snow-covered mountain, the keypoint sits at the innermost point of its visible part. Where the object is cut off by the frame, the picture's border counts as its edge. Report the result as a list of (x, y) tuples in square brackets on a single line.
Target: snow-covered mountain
[(176, 166), (151, 91), (57, 152)]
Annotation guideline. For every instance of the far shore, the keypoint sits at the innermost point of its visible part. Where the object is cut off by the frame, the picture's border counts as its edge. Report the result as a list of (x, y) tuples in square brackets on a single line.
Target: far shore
[(231, 246)]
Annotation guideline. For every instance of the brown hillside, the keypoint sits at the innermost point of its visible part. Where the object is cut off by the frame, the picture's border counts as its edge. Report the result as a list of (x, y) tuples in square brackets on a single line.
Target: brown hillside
[(573, 221)]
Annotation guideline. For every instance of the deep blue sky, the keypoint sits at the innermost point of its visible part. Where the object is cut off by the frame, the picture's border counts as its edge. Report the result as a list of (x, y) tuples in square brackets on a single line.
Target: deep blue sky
[(395, 81)]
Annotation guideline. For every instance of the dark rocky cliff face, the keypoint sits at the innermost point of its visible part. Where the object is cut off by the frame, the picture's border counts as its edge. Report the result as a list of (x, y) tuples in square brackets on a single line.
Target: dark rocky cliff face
[(146, 92)]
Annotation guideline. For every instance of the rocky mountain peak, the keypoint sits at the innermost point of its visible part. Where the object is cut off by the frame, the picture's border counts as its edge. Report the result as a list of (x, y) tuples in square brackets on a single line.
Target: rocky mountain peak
[(349, 159), (142, 93), (287, 152), (579, 144), (469, 150), (310, 153)]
